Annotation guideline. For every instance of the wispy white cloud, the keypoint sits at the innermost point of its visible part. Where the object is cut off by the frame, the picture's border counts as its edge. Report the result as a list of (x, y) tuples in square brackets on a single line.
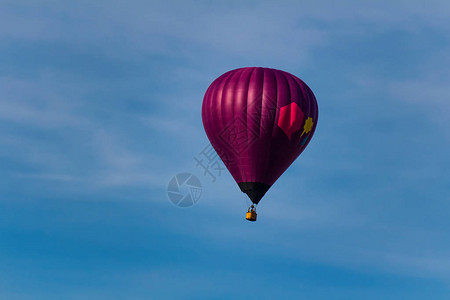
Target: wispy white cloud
[(61, 140)]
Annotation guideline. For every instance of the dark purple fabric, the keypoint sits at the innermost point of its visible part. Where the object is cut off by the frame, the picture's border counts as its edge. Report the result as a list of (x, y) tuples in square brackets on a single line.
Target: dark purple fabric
[(252, 124)]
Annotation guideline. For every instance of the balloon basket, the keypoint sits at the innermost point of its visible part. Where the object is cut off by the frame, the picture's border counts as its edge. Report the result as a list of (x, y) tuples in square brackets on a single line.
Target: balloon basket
[(251, 214)]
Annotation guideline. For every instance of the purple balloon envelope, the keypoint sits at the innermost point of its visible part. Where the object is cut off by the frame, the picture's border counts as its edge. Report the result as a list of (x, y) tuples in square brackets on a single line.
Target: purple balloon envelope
[(259, 120)]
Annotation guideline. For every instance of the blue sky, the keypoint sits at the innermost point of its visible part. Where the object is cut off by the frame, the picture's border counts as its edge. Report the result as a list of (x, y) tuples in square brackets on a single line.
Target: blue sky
[(100, 106)]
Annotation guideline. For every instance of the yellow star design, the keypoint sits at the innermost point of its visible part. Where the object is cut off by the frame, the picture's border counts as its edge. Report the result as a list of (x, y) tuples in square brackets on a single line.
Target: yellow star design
[(308, 125)]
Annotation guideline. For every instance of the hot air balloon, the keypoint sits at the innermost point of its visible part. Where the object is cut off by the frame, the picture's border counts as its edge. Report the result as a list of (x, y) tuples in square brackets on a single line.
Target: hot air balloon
[(259, 120)]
